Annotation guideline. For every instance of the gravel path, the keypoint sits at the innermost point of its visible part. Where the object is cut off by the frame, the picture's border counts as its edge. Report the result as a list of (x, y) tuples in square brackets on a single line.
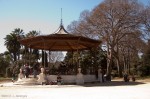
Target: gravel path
[(107, 90)]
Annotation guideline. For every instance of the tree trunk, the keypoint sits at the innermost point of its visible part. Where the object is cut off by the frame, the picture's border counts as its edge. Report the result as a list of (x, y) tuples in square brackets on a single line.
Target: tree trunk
[(128, 61), (109, 62), (119, 67), (124, 63)]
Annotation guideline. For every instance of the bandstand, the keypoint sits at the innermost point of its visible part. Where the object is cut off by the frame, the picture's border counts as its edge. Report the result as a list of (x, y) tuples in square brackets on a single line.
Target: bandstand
[(61, 40)]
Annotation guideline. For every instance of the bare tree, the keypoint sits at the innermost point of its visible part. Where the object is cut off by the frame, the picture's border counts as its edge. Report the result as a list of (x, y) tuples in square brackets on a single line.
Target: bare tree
[(146, 23), (56, 56), (112, 21), (82, 26)]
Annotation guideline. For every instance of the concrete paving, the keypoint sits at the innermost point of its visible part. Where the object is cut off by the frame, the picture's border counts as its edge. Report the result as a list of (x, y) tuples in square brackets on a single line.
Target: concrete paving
[(107, 90)]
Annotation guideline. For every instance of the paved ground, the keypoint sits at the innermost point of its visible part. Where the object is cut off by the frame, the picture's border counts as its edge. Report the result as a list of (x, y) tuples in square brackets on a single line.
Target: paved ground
[(108, 90)]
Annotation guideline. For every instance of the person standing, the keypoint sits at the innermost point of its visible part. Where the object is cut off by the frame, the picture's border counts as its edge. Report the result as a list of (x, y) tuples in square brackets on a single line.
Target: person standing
[(13, 77), (26, 71), (59, 79)]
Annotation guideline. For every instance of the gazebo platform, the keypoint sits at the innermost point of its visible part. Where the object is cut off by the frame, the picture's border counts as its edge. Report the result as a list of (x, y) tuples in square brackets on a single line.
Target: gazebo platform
[(66, 79), (71, 79)]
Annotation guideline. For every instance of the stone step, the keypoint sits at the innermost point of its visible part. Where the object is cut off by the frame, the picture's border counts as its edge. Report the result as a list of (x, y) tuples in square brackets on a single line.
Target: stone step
[(26, 81)]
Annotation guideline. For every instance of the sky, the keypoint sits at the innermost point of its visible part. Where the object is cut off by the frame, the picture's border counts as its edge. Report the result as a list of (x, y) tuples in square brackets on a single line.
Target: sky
[(40, 15)]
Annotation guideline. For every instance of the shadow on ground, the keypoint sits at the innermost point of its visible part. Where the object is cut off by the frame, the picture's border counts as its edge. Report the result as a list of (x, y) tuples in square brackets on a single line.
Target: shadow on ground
[(5, 80), (94, 84), (112, 83)]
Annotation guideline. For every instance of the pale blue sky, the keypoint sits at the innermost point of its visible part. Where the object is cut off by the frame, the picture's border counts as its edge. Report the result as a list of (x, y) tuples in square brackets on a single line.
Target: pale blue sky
[(45, 10), (43, 15)]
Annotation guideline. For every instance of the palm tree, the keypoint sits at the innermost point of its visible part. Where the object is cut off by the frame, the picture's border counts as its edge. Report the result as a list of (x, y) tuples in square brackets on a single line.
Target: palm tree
[(12, 43), (18, 32), (32, 33)]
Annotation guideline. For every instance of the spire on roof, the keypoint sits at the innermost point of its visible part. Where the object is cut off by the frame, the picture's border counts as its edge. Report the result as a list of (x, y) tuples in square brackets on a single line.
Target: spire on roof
[(61, 29), (61, 23)]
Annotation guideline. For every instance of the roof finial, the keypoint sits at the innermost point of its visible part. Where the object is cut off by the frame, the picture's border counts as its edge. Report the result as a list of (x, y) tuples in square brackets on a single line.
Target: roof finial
[(61, 18)]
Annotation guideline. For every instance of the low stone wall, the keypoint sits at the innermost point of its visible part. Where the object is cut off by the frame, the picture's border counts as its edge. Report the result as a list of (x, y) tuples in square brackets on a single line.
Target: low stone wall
[(71, 78)]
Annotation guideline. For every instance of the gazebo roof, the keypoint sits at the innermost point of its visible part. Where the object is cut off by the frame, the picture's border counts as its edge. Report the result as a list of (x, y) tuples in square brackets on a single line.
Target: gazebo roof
[(61, 30), (61, 40)]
